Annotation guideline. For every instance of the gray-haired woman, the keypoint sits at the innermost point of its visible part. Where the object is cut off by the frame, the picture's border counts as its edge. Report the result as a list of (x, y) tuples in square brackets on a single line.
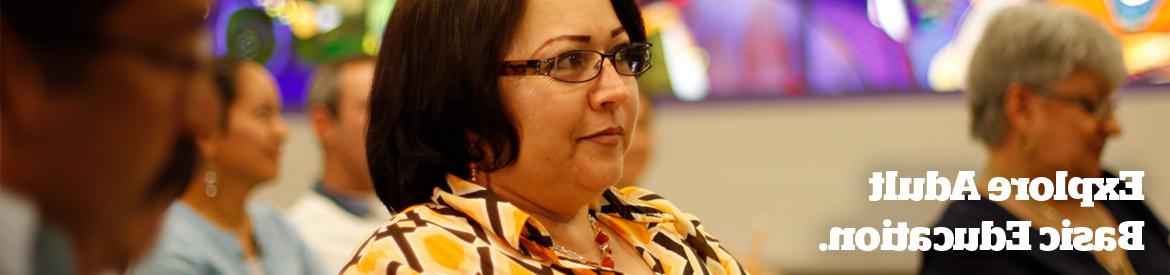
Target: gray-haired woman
[(1040, 88)]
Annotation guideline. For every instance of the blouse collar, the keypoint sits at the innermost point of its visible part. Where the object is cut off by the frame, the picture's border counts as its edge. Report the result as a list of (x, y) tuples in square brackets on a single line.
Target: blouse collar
[(514, 226)]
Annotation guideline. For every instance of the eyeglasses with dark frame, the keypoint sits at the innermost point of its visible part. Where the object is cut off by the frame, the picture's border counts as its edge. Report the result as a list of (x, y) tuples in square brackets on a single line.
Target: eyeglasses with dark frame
[(1095, 108), (578, 66)]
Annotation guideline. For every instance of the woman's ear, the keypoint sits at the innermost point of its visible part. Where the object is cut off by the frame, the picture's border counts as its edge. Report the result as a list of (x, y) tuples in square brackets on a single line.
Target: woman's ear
[(476, 148), (480, 150), (323, 124), (208, 143), (1018, 107)]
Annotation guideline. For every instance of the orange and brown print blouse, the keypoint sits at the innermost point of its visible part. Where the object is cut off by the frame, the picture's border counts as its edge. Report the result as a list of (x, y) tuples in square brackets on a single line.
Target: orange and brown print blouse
[(470, 231)]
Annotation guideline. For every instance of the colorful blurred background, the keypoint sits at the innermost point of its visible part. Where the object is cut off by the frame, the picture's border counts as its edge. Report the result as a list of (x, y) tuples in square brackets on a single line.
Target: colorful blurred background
[(772, 113), (715, 49)]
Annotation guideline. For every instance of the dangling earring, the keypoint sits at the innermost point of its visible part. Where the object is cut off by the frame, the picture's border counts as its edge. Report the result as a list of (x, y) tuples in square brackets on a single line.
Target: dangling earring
[(474, 172), (210, 179), (474, 152)]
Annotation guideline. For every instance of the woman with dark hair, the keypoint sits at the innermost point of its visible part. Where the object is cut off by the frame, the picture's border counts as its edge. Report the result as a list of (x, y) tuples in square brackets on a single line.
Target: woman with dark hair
[(497, 129), (213, 229)]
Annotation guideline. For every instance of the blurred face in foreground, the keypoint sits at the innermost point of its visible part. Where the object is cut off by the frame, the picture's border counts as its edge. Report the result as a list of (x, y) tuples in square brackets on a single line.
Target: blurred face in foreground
[(106, 152)]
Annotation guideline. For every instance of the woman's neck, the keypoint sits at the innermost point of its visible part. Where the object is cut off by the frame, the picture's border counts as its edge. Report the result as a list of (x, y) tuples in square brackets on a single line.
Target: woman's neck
[(575, 232), (337, 179), (560, 227), (540, 195), (570, 229), (227, 209)]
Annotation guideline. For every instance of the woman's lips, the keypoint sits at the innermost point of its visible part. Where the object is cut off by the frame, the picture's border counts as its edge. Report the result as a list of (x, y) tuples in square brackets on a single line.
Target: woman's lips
[(1095, 152), (609, 136), (606, 139)]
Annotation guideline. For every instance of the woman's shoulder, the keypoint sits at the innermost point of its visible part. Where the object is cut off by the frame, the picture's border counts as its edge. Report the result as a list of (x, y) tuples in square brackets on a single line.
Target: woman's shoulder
[(274, 228), (1138, 211), (183, 227), (681, 232), (422, 237), (267, 217), (422, 218), (182, 246), (427, 215)]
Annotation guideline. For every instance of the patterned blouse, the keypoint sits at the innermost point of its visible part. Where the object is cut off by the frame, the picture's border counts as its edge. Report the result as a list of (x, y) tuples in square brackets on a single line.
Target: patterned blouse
[(469, 230)]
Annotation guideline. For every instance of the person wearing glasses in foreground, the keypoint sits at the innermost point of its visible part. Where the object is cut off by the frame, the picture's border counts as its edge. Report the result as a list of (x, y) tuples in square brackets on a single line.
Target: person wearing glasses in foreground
[(1040, 87), (497, 129), (99, 105)]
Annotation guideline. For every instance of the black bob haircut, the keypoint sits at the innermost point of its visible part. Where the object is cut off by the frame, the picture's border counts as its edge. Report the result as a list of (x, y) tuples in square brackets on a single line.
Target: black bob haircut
[(435, 87)]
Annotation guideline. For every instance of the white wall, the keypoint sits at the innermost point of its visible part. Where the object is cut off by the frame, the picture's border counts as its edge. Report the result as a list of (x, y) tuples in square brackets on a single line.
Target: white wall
[(798, 166)]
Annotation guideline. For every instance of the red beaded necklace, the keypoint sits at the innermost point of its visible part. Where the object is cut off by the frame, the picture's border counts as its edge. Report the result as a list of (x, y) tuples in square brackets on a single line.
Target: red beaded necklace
[(601, 238)]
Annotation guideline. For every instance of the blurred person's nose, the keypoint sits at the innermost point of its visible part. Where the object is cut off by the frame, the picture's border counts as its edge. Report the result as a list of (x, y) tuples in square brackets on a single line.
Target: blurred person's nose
[(1110, 125), (280, 129)]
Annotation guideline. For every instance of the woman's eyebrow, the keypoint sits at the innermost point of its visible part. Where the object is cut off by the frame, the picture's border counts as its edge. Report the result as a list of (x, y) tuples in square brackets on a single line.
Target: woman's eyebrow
[(616, 32), (579, 38), (572, 37)]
